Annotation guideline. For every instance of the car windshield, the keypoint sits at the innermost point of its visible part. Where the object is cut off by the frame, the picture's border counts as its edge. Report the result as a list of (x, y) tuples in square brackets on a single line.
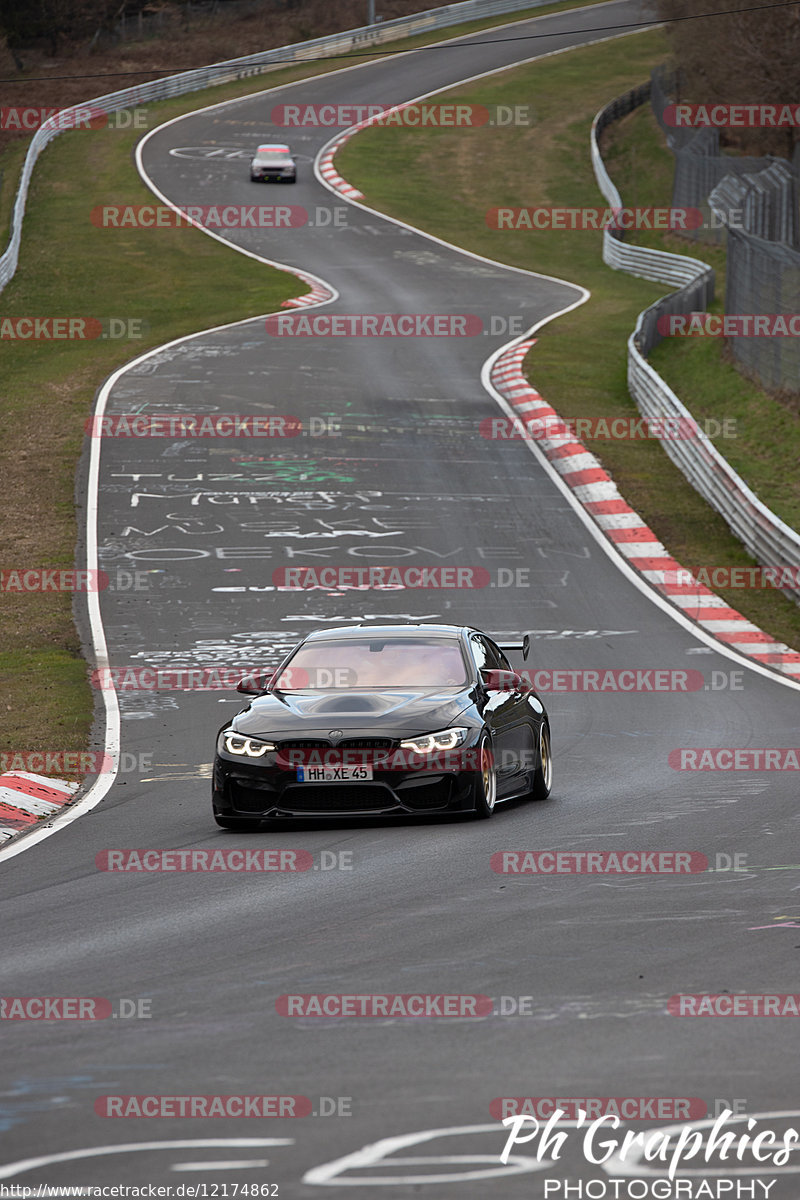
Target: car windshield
[(382, 663), (272, 152)]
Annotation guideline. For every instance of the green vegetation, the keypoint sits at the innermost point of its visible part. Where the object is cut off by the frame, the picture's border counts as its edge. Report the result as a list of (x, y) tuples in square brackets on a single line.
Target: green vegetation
[(68, 267), (579, 362)]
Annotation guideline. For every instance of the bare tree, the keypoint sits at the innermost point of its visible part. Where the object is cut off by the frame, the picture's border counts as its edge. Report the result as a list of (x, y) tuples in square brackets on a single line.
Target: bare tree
[(56, 23), (748, 56)]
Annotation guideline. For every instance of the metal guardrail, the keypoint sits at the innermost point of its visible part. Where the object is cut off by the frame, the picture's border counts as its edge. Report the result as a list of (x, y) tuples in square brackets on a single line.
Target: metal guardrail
[(656, 265), (242, 68), (770, 540)]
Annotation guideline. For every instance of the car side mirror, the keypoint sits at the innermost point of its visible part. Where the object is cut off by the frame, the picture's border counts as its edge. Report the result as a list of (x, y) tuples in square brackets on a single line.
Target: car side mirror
[(502, 681), (254, 685)]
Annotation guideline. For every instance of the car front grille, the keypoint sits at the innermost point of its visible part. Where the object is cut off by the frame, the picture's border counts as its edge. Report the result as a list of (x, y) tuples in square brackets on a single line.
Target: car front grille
[(366, 744), (343, 744), (304, 744), (364, 797), (354, 750)]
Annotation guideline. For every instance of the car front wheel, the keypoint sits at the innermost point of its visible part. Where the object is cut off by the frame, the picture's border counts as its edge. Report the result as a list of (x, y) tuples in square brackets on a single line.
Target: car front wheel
[(543, 775), (486, 783)]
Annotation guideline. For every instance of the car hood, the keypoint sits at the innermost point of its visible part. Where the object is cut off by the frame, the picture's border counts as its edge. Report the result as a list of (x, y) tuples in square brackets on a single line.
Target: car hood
[(357, 714)]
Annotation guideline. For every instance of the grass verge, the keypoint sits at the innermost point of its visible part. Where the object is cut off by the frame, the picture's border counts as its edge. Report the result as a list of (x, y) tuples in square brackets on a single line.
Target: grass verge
[(67, 268), (11, 158), (766, 449), (70, 268), (579, 362)]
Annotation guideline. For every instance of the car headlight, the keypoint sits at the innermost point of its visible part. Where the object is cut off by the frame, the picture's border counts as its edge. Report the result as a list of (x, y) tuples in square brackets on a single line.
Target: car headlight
[(428, 743), (247, 747)]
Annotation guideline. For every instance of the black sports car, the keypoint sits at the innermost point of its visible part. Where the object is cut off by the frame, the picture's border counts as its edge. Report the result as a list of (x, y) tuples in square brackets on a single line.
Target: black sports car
[(383, 719)]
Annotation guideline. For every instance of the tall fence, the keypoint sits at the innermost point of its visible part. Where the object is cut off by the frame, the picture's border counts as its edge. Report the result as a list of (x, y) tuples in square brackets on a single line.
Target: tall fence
[(753, 204), (764, 278), (700, 167), (243, 68), (155, 22), (175, 18), (769, 539)]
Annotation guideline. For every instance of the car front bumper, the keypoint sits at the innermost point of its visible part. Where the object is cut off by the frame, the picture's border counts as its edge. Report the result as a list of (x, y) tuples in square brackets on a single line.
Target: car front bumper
[(266, 790)]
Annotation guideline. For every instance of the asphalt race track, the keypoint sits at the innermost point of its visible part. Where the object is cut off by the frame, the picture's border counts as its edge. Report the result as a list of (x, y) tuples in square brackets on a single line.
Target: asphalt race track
[(580, 967)]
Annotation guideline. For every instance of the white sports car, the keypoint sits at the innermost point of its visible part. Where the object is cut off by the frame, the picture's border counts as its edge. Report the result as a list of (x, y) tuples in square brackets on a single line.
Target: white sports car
[(273, 162)]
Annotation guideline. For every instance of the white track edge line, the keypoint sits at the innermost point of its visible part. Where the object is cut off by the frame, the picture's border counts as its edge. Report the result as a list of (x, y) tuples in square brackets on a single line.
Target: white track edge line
[(598, 534), (100, 788)]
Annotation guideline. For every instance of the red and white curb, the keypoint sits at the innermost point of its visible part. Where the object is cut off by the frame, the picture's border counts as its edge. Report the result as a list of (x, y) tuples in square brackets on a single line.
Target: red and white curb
[(325, 162), (598, 494), (26, 798), (319, 292), (328, 171), (596, 491)]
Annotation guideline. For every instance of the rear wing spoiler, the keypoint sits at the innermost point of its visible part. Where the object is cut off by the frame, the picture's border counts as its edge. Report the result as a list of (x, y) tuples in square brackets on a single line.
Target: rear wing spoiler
[(524, 646)]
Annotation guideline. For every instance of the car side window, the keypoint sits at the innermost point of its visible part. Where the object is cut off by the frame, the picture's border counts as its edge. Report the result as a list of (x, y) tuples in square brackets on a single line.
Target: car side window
[(487, 655), (479, 651), (502, 661)]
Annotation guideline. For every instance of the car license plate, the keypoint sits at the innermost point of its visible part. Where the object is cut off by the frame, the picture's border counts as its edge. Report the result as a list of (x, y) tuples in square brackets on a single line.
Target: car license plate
[(333, 774)]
